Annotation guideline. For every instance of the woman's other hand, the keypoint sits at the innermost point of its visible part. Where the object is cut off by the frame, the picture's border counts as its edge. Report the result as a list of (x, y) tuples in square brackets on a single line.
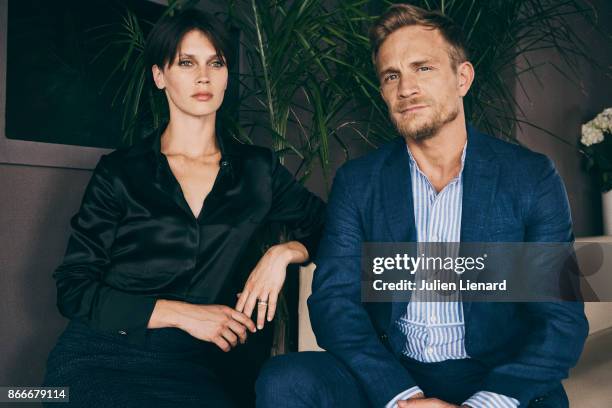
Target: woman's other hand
[(266, 280), (218, 324)]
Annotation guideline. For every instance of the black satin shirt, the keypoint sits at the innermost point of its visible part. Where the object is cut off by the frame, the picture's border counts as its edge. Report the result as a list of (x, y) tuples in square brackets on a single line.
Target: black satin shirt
[(135, 239)]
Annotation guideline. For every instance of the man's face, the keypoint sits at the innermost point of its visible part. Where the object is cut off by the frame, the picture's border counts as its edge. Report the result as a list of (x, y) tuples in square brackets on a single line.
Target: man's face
[(418, 83)]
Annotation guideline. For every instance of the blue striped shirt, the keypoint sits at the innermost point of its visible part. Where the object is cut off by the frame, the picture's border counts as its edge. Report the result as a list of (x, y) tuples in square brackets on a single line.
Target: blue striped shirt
[(435, 330)]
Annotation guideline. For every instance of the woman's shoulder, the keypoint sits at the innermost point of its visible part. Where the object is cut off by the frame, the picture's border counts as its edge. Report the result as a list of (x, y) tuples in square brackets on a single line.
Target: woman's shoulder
[(249, 153), (115, 160)]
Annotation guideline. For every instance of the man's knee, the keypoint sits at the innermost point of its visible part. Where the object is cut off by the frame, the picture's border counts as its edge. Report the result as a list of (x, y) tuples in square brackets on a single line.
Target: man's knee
[(291, 379)]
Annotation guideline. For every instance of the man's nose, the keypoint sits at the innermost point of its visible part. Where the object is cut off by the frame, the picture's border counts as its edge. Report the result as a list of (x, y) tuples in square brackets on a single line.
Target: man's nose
[(408, 86)]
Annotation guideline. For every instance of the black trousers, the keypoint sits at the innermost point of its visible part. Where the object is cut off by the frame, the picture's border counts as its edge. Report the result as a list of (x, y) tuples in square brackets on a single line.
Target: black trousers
[(172, 369)]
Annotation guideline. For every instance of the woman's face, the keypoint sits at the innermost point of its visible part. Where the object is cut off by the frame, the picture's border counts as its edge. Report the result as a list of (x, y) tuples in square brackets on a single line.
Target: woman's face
[(195, 82)]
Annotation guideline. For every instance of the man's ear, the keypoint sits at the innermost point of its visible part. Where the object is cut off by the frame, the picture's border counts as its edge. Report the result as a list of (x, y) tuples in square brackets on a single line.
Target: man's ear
[(465, 75), (158, 77)]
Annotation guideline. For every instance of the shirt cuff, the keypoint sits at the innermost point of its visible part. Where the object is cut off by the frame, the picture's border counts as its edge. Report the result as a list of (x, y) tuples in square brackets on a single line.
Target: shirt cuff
[(488, 399), (403, 395), (122, 313)]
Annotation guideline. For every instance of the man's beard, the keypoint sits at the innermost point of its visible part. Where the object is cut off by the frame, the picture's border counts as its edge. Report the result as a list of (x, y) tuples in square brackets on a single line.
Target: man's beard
[(422, 131)]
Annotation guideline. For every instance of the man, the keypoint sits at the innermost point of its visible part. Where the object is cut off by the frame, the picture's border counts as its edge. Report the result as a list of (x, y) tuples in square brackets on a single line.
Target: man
[(440, 182)]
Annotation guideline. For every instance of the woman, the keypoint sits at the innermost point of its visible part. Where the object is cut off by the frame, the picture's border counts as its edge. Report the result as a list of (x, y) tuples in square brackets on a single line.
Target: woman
[(162, 245)]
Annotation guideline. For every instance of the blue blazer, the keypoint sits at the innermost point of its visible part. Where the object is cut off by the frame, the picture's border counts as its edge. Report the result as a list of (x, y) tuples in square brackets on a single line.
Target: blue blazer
[(510, 194)]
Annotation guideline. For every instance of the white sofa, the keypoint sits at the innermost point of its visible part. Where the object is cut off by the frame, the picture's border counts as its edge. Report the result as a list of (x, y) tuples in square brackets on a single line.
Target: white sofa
[(588, 385)]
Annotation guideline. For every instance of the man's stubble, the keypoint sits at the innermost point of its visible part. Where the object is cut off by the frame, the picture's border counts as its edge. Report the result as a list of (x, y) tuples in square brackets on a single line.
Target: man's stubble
[(425, 130)]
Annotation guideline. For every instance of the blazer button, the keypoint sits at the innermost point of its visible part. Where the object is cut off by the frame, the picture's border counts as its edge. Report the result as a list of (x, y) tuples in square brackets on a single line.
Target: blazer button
[(383, 337)]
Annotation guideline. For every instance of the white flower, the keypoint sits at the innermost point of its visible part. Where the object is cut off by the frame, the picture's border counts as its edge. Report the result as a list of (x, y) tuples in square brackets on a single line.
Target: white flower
[(604, 120), (591, 135), (593, 131)]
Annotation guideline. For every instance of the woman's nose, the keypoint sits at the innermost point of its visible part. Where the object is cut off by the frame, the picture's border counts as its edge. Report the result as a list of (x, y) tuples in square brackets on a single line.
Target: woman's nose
[(203, 77)]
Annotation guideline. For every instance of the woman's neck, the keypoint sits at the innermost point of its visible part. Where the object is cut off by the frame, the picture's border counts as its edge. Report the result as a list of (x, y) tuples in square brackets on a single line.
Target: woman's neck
[(190, 137)]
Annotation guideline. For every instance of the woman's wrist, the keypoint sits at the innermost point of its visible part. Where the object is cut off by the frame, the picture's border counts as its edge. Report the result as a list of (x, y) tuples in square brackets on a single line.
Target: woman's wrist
[(290, 252), (165, 314)]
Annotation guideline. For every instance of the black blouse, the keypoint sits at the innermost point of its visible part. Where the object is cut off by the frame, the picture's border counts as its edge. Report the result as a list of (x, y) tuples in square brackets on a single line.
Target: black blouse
[(135, 239)]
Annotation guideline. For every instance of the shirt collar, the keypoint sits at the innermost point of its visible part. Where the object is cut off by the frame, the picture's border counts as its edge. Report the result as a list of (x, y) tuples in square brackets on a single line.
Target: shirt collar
[(414, 164), (150, 147)]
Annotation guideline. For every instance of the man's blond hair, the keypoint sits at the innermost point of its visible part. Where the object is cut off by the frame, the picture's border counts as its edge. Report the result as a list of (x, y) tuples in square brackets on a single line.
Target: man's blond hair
[(405, 15)]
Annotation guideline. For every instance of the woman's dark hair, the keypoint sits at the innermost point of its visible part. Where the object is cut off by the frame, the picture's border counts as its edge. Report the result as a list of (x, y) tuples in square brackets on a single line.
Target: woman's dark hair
[(162, 42)]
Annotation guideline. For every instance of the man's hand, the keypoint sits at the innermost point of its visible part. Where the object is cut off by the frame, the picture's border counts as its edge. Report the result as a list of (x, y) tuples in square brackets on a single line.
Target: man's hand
[(426, 403)]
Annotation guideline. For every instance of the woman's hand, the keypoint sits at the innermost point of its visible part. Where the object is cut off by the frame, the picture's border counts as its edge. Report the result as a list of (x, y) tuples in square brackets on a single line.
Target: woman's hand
[(266, 280), (217, 324)]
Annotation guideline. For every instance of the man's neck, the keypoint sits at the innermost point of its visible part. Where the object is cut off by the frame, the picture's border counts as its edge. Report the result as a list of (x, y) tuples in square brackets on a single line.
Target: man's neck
[(439, 157)]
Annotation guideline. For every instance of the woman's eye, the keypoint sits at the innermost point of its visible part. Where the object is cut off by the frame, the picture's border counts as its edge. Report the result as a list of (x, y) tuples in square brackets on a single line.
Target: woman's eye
[(217, 63), (185, 63)]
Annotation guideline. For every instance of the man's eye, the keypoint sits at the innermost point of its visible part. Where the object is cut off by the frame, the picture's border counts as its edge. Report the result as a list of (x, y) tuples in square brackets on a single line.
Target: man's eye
[(390, 77), (423, 69), (185, 63)]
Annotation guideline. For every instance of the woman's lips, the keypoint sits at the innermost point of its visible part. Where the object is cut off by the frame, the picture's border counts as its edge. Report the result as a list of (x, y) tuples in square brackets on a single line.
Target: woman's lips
[(202, 96)]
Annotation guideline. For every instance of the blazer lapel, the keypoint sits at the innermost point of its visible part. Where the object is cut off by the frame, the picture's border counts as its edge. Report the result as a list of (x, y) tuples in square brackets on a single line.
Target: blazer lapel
[(397, 194), (480, 178), (398, 205)]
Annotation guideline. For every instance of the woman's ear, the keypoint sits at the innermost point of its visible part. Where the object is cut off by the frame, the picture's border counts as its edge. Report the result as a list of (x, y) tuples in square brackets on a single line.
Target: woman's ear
[(158, 77)]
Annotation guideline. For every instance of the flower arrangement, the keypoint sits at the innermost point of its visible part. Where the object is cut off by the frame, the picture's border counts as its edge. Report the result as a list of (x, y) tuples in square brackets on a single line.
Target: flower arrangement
[(596, 141)]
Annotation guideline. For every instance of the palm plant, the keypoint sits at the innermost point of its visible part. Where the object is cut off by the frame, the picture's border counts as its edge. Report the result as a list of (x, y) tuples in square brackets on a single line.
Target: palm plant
[(502, 35), (308, 80), (292, 79), (309, 66)]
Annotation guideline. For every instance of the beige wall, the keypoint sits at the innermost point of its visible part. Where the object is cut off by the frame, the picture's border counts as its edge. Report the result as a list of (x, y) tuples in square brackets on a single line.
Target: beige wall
[(34, 214)]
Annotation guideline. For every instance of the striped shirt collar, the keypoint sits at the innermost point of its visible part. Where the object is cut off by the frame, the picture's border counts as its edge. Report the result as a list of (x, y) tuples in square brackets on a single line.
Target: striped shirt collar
[(414, 164)]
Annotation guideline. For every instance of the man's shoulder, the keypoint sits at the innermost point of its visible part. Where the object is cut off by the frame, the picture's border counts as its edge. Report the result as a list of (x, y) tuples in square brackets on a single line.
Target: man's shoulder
[(512, 155), (370, 164)]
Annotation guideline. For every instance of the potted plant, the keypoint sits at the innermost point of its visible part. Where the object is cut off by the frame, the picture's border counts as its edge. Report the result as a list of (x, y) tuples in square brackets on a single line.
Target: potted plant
[(596, 143), (307, 83)]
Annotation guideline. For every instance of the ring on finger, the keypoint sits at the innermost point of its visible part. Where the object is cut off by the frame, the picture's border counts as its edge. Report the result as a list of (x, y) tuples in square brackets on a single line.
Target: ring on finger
[(262, 302)]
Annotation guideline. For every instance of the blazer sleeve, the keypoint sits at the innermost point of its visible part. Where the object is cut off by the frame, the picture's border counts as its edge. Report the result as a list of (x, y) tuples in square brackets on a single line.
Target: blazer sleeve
[(81, 291), (293, 205), (340, 322), (559, 328)]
